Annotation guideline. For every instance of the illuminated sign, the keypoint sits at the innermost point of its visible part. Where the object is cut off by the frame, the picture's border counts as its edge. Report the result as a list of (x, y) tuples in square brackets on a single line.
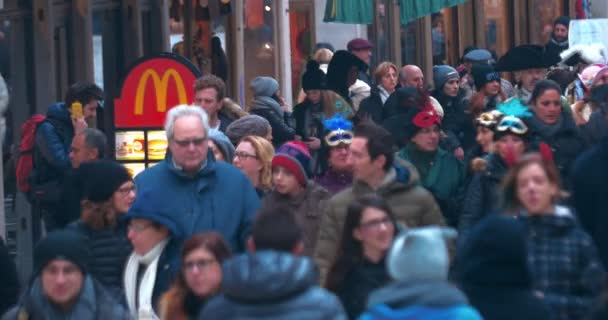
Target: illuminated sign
[(152, 87)]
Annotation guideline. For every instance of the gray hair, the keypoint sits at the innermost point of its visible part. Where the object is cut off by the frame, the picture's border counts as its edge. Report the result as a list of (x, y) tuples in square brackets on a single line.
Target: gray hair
[(185, 110), (96, 139)]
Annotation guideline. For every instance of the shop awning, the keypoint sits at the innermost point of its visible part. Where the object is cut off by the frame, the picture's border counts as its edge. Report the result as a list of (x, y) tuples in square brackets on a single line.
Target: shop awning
[(350, 11), (411, 10)]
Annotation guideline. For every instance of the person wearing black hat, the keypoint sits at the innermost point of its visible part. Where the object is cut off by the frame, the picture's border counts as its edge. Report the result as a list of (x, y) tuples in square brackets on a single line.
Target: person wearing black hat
[(559, 36), (156, 240), (489, 92), (440, 172), (530, 63), (342, 73), (62, 287), (319, 104), (107, 193)]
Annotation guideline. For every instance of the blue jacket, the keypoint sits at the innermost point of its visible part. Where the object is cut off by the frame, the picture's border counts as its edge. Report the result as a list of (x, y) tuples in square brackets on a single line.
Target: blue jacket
[(53, 144), (430, 300), (272, 285), (218, 198)]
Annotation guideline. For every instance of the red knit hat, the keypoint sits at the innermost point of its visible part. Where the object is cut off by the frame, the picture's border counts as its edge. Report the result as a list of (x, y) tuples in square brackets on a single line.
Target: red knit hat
[(295, 157)]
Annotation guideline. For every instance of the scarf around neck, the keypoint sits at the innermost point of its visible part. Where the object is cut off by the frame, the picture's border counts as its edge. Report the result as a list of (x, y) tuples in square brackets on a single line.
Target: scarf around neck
[(143, 311), (39, 307), (268, 102), (383, 94)]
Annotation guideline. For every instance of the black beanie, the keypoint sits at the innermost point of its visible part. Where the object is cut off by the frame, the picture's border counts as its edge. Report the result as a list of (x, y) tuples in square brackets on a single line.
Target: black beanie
[(62, 244), (100, 179), (563, 20), (484, 73), (313, 78)]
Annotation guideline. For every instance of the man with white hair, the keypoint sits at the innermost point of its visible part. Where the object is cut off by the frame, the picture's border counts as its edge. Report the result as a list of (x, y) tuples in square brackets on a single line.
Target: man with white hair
[(203, 193)]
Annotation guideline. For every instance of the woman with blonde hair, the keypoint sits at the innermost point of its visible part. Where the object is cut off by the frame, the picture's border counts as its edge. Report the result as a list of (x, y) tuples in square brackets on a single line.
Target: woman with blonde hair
[(253, 156), (385, 77)]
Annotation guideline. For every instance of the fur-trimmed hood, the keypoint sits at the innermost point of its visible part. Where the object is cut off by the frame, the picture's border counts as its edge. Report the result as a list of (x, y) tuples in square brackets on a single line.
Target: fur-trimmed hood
[(232, 109)]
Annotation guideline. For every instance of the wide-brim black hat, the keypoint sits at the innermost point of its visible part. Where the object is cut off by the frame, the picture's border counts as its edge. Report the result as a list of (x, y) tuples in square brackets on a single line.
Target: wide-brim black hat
[(526, 56)]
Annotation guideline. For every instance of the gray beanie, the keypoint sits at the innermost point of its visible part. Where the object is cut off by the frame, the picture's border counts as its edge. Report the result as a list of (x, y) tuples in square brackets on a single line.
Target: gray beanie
[(251, 125), (420, 254), (222, 142), (442, 74), (264, 86)]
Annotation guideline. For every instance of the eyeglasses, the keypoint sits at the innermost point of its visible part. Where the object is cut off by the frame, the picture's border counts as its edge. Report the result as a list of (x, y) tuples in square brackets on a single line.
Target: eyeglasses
[(198, 264), (336, 137), (376, 224), (126, 190), (197, 142), (244, 155), (138, 227)]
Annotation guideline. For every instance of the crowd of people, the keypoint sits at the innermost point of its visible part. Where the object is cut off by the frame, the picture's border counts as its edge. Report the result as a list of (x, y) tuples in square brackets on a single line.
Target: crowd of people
[(372, 198)]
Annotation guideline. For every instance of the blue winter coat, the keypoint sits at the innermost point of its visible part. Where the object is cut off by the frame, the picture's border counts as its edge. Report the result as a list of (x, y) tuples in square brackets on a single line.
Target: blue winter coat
[(272, 285), (218, 198), (53, 144)]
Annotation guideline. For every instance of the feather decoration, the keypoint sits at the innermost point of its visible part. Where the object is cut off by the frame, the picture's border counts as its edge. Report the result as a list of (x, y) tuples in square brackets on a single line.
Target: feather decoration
[(337, 122), (514, 107)]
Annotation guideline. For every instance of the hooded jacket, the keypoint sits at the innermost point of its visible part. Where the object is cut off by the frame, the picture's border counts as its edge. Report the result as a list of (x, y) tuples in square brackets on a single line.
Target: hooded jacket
[(53, 144), (280, 121), (434, 300), (272, 285), (307, 207), (570, 286), (412, 204), (219, 197), (492, 268)]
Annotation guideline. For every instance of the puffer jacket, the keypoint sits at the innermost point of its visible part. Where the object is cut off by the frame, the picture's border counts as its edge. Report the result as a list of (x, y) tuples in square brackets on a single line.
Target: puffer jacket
[(283, 129), (566, 142), (53, 144), (419, 300), (110, 249), (412, 204), (94, 303), (272, 285), (307, 207), (564, 261), (482, 195)]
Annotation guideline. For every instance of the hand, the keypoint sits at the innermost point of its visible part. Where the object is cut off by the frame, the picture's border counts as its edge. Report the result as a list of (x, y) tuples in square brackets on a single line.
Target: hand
[(313, 143), (79, 124), (459, 153)]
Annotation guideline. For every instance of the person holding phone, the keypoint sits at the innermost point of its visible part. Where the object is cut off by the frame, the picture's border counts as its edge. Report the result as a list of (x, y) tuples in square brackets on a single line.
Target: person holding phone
[(53, 145)]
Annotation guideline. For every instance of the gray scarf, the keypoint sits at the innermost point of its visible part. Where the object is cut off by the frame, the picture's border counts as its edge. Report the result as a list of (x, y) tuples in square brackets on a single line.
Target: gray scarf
[(39, 307), (267, 102), (546, 130)]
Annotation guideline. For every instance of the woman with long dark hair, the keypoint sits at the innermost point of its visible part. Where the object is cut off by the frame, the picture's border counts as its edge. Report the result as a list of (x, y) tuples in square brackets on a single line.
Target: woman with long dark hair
[(199, 278), (566, 270), (359, 267)]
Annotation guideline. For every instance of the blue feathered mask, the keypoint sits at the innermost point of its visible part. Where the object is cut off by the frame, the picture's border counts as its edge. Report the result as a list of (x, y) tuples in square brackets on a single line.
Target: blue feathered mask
[(340, 130), (513, 111)]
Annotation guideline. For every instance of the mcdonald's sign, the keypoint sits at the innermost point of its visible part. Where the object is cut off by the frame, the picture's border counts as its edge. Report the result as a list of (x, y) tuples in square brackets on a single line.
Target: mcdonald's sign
[(153, 86)]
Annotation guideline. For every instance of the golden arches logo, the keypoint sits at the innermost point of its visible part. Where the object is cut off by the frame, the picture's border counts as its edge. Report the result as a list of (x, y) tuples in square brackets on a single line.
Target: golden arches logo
[(160, 87)]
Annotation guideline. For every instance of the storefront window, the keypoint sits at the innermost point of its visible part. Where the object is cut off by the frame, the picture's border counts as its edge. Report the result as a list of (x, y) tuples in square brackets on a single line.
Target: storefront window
[(498, 39), (301, 42), (408, 43), (544, 13), (438, 38), (381, 36), (259, 41)]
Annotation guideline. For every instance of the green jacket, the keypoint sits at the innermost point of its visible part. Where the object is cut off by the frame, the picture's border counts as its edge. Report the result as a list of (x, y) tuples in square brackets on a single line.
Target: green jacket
[(445, 180), (412, 205)]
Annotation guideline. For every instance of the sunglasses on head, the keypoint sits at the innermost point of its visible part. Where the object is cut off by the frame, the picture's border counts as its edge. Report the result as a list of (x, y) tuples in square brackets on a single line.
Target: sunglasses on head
[(336, 137)]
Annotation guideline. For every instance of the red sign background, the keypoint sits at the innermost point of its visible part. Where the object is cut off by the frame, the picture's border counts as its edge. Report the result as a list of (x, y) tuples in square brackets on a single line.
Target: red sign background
[(150, 89)]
